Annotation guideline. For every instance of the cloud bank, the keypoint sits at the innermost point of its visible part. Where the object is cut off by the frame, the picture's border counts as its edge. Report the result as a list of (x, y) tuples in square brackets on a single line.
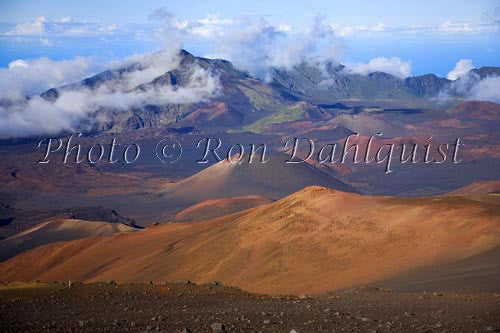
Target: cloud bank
[(251, 43), (393, 65), (487, 89), (257, 46), (27, 77), (64, 26), (471, 86), (75, 108), (212, 25)]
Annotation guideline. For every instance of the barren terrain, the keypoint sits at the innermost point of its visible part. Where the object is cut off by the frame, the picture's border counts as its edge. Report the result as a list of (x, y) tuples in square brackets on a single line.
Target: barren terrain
[(170, 307), (312, 241)]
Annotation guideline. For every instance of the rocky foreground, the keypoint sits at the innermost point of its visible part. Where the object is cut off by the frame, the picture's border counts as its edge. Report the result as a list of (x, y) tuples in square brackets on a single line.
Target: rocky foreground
[(185, 307)]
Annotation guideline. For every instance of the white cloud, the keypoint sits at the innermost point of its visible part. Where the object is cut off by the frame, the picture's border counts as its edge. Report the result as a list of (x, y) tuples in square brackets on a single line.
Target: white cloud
[(449, 26), (471, 87), (108, 28), (152, 66), (462, 67), (251, 43), (379, 27), (214, 19), (65, 19), (46, 42), (204, 30), (18, 63), (393, 65), (255, 45), (285, 28), (208, 27), (213, 26), (347, 30), (173, 31), (64, 26), (36, 27), (487, 89), (26, 77)]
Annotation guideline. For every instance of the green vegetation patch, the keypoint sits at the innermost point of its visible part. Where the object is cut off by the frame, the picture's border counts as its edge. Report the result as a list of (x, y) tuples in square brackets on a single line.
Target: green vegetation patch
[(282, 115), (280, 112)]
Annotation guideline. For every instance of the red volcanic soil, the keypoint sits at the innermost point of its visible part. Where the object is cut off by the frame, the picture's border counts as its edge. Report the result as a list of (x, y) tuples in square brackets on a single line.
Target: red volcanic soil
[(314, 240), (479, 187), (478, 109), (217, 113), (213, 208)]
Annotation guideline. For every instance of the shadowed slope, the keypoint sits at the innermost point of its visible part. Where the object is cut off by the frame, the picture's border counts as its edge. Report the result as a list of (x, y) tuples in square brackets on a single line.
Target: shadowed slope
[(479, 187), (478, 273), (56, 231), (316, 239)]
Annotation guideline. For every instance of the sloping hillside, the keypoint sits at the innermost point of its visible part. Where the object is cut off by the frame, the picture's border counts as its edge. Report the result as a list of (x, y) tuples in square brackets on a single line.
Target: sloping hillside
[(479, 187), (316, 239), (273, 180), (56, 231), (213, 208)]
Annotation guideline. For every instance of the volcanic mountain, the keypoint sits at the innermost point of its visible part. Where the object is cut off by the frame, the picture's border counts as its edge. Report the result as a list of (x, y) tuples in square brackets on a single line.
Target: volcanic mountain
[(55, 231), (332, 81), (240, 100), (314, 240), (273, 179)]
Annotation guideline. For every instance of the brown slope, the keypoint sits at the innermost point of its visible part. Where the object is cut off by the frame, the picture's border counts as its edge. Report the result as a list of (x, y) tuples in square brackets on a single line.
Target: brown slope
[(478, 187), (366, 124), (55, 231), (215, 114), (213, 208), (478, 109), (316, 239)]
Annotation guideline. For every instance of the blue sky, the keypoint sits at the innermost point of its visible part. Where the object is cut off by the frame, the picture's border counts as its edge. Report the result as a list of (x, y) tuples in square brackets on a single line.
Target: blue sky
[(431, 36), (293, 12)]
